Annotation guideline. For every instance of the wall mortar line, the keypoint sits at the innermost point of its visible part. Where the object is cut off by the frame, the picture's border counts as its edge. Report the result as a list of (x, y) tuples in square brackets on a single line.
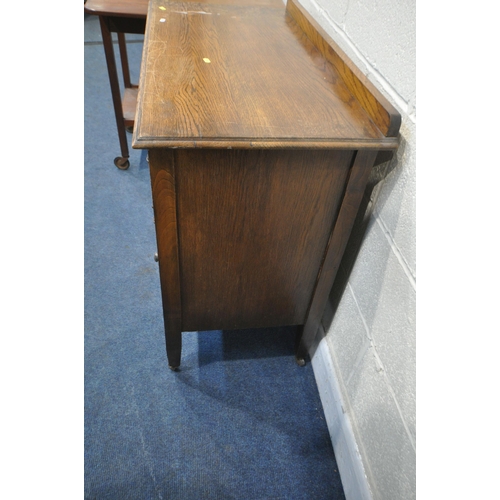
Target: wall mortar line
[(404, 106), (383, 370), (396, 251)]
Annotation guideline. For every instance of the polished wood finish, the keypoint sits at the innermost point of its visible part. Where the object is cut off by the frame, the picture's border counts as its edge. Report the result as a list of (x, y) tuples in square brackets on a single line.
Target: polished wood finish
[(163, 187), (355, 188), (251, 241), (118, 8), (242, 76), (260, 152)]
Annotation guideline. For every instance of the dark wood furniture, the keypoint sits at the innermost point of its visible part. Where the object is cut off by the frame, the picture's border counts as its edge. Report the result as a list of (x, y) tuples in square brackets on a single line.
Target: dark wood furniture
[(261, 136), (121, 17)]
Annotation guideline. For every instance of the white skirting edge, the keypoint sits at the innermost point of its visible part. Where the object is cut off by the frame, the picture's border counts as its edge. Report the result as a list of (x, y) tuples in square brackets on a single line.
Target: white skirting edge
[(352, 474)]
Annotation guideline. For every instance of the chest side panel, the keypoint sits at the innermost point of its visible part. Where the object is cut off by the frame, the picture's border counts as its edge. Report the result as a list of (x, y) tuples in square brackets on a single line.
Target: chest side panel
[(253, 227)]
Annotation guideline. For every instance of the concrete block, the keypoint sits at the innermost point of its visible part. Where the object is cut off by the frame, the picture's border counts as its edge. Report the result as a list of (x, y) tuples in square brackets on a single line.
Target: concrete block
[(379, 36), (387, 451), (387, 301), (393, 332), (335, 10), (396, 201), (367, 276), (347, 335), (384, 32)]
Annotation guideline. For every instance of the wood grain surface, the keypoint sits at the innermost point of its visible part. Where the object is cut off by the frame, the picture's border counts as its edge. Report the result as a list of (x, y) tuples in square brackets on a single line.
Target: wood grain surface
[(261, 136), (161, 163), (355, 187), (227, 75), (253, 227), (122, 8)]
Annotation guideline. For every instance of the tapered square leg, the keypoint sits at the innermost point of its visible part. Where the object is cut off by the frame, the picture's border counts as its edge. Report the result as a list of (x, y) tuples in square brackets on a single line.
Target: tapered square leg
[(173, 341), (300, 349), (161, 166)]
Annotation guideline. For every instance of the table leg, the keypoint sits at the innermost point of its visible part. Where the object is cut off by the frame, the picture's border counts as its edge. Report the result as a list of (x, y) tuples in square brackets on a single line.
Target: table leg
[(173, 340), (124, 60), (300, 350), (358, 178), (162, 170), (121, 162)]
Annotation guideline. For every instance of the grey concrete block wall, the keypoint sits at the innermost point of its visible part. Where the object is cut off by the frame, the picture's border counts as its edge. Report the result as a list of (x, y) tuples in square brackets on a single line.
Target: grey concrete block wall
[(371, 340)]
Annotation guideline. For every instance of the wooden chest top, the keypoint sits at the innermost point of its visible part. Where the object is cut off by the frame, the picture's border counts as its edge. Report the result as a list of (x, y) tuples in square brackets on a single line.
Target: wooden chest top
[(244, 75)]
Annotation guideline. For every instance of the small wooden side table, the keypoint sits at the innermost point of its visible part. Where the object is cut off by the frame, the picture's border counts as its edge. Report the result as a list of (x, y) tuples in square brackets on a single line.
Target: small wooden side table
[(121, 17), (261, 135)]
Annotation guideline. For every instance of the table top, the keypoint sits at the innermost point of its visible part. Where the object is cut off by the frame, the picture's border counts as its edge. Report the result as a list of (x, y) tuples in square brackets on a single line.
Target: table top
[(118, 8), (139, 8), (239, 74)]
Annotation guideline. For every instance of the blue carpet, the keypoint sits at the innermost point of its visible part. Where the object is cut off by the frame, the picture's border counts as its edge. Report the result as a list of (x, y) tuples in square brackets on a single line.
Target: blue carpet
[(240, 420)]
